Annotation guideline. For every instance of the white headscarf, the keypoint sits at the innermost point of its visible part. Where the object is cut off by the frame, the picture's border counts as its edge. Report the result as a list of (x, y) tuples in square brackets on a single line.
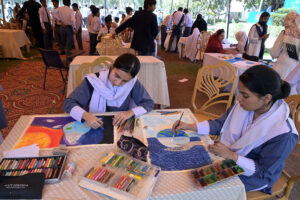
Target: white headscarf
[(105, 94), (241, 37), (241, 135)]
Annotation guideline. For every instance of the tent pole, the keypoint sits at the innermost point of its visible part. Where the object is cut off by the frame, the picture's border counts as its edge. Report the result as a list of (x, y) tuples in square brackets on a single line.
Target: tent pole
[(171, 10), (3, 13), (228, 18), (187, 4)]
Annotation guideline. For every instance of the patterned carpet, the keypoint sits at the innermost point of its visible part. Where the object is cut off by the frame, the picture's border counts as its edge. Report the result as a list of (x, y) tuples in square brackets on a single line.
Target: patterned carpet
[(23, 92)]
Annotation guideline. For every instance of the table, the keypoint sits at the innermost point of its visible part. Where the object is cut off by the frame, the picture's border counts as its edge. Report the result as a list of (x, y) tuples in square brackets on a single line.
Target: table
[(11, 40), (241, 66), (170, 185), (152, 75)]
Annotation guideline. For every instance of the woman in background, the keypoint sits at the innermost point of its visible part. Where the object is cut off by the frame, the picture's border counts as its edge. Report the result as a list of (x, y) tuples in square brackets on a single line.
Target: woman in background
[(214, 44), (257, 37)]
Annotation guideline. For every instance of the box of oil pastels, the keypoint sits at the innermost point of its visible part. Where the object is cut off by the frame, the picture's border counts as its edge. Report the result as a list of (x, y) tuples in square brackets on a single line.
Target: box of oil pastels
[(121, 177), (51, 166), (215, 172)]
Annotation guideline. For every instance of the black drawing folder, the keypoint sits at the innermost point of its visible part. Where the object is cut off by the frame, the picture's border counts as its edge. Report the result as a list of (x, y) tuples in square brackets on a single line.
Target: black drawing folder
[(29, 186)]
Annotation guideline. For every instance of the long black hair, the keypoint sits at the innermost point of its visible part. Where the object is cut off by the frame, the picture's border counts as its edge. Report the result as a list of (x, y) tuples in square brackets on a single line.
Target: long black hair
[(128, 63), (262, 80)]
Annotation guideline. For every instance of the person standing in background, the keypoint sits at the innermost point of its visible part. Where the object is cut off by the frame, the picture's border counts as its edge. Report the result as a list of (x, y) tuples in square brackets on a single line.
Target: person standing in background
[(95, 29), (16, 10), (178, 20), (78, 22), (188, 22), (165, 25), (32, 9), (84, 12), (46, 25), (129, 12), (57, 26), (68, 27), (144, 24), (257, 37), (89, 20)]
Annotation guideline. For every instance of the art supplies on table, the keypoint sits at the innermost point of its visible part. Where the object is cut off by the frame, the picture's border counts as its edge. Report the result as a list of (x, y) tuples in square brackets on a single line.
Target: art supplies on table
[(29, 186), (51, 166), (122, 177), (129, 125), (215, 172)]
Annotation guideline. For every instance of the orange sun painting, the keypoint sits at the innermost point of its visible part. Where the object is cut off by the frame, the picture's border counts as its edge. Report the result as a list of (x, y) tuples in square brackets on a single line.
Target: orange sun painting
[(42, 136)]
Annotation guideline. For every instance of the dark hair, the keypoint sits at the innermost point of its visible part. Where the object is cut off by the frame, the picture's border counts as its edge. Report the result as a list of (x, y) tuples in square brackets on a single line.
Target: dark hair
[(180, 9), (123, 15), (95, 11), (108, 19), (116, 19), (128, 63), (67, 2), (128, 10), (75, 5), (199, 16), (264, 14), (219, 32), (40, 1), (55, 1), (92, 7), (149, 3), (263, 80), (140, 8), (186, 10)]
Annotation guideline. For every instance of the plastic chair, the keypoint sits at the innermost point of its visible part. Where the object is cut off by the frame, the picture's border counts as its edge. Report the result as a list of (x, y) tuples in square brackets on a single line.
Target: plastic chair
[(212, 80), (284, 185), (93, 67), (52, 60), (203, 43)]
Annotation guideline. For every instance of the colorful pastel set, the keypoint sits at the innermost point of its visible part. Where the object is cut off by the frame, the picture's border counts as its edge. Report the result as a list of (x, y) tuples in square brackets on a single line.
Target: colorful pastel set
[(51, 166), (121, 175), (215, 172), (129, 125)]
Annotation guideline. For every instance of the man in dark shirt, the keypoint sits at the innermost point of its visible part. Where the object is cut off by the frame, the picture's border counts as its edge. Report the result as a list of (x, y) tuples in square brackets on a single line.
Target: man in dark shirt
[(200, 23), (32, 8), (144, 24)]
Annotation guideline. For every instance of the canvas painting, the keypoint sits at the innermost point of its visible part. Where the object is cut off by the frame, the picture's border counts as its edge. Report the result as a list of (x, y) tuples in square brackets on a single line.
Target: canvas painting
[(50, 132), (181, 151)]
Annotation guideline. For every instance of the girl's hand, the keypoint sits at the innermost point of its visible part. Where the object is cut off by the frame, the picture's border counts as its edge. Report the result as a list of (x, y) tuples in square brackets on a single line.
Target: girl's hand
[(92, 120), (121, 117), (221, 150), (180, 125)]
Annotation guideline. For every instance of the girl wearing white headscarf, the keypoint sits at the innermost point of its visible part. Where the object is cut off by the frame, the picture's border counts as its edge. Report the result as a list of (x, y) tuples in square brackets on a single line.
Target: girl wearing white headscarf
[(110, 90), (242, 38), (256, 132), (287, 46)]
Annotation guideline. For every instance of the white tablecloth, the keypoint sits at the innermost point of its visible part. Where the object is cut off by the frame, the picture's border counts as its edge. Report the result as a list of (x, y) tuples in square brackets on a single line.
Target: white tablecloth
[(241, 66), (152, 75), (11, 40), (181, 46), (169, 186)]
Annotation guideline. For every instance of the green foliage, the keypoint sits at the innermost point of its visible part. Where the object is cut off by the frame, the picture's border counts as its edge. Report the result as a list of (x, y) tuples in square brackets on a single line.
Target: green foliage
[(278, 18), (275, 30), (286, 10)]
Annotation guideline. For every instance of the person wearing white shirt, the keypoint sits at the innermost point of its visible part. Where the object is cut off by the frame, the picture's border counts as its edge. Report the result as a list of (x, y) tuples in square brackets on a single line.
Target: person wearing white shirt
[(165, 25), (78, 21), (89, 20), (84, 12), (178, 21), (46, 25), (107, 28), (56, 25), (94, 30), (67, 20), (188, 23)]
